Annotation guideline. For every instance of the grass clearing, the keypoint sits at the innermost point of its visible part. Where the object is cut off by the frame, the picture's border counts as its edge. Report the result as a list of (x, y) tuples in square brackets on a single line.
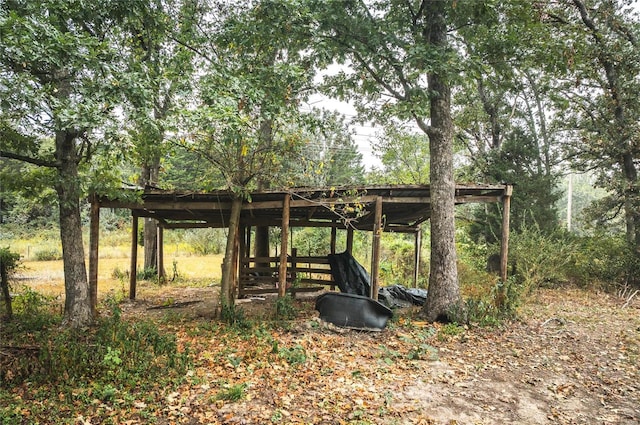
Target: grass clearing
[(47, 277)]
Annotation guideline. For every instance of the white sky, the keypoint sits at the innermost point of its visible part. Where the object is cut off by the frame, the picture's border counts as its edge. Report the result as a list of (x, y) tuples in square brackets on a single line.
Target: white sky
[(364, 134)]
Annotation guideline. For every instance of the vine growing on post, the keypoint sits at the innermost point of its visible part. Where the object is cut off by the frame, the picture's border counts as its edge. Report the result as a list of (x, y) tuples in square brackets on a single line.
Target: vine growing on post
[(9, 262)]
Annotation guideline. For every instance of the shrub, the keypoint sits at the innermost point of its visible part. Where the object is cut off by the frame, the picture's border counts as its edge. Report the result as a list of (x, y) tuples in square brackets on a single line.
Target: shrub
[(604, 260), (28, 302), (52, 254), (119, 274), (234, 316), (542, 260), (285, 308), (115, 352), (146, 274), (206, 241), (9, 262)]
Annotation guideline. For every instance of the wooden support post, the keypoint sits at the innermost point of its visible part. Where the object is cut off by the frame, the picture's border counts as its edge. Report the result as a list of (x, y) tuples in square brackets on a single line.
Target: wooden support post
[(284, 236), (349, 240), (160, 253), (134, 257), (375, 249), (94, 235), (247, 241), (504, 243), (294, 254), (334, 237), (244, 240), (417, 256)]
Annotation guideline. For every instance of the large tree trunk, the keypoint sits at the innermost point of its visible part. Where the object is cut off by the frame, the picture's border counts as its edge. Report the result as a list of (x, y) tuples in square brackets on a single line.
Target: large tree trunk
[(77, 307), (227, 296), (443, 297)]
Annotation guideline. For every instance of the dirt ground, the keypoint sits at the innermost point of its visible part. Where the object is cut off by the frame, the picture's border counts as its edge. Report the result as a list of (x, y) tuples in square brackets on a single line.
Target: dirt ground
[(571, 358)]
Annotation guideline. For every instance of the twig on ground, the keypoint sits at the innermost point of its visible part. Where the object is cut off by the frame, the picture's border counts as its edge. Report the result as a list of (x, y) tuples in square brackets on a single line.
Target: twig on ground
[(626, 304), (560, 321)]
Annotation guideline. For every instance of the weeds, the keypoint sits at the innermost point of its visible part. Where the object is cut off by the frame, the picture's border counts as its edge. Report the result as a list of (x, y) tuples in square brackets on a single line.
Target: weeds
[(147, 274), (117, 352), (285, 309), (232, 393), (234, 316), (53, 254), (295, 355)]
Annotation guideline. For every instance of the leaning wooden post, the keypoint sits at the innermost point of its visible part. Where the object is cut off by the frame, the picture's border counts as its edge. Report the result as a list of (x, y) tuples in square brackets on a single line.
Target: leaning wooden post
[(284, 236), (375, 249), (504, 243), (94, 235), (417, 256), (134, 257)]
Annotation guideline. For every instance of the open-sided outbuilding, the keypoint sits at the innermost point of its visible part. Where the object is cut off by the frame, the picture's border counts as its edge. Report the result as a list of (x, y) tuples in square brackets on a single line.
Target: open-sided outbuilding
[(377, 209)]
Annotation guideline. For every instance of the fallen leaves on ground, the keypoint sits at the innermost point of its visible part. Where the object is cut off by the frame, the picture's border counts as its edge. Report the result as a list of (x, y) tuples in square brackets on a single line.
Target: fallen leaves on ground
[(572, 358)]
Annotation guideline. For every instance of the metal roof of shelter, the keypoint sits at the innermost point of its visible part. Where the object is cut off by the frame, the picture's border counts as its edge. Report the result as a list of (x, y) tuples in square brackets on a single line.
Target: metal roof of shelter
[(404, 207)]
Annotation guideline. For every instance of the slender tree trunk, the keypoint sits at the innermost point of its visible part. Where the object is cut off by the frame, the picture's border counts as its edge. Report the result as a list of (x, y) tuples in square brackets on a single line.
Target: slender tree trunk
[(77, 308), (262, 232), (149, 176), (227, 297), (443, 297)]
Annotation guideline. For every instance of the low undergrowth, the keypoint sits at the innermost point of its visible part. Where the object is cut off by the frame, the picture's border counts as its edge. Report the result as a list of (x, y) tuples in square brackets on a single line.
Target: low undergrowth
[(101, 365)]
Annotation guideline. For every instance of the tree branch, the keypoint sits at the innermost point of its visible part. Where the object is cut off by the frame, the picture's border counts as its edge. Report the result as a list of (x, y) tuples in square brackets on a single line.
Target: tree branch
[(28, 159)]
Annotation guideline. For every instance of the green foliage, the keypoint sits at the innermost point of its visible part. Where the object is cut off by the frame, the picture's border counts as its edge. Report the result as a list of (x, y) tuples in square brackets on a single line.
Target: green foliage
[(52, 254), (285, 310), (295, 355), (119, 274), (232, 393), (421, 349), (541, 259), (9, 261), (604, 118), (397, 258), (312, 240), (487, 300), (123, 352), (115, 352), (206, 241), (404, 156), (31, 305), (451, 329), (329, 156), (604, 260), (534, 198), (234, 316), (147, 274), (500, 302)]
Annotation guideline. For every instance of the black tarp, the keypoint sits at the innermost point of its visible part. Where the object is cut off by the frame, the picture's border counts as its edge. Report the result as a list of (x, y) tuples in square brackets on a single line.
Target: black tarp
[(397, 296), (349, 275), (353, 311), (352, 278)]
